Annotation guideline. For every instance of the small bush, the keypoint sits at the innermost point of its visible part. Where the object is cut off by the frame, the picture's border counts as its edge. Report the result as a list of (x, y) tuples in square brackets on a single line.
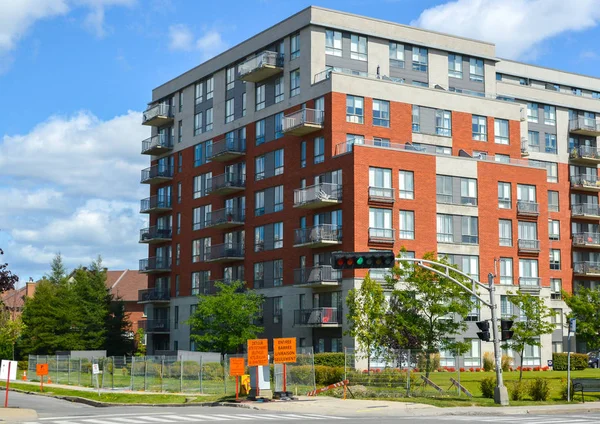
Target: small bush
[(579, 361), (302, 375), (462, 369), (537, 368), (434, 361), (539, 390), (563, 389), (517, 390), (212, 371), (22, 365), (329, 359), (506, 362), (487, 386), (488, 361)]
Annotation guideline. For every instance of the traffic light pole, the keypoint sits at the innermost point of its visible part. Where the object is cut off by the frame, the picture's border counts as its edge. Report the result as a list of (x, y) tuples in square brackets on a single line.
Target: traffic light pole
[(500, 391)]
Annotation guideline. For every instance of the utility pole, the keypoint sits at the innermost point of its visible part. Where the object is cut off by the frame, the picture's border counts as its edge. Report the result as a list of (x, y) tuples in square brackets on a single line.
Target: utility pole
[(500, 391)]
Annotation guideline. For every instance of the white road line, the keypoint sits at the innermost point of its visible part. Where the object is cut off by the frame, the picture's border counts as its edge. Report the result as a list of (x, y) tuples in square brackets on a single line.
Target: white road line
[(208, 417), (256, 417), (296, 417), (73, 417), (327, 417), (179, 417), (155, 419), (554, 421), (126, 420), (64, 422), (278, 417), (232, 417)]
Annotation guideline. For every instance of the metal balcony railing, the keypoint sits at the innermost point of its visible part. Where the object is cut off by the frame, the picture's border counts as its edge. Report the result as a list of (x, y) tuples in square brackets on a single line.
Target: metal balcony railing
[(227, 182), (585, 181), (226, 251), (155, 325), (322, 233), (225, 217), (586, 268), (529, 245), (381, 234), (583, 125), (528, 208), (265, 59), (327, 193), (156, 144), (161, 110), (311, 119), (585, 209), (591, 153), (586, 239), (529, 281), (154, 233), (156, 172), (228, 148), (155, 203), (317, 275), (318, 317), (155, 264), (381, 194), (154, 295)]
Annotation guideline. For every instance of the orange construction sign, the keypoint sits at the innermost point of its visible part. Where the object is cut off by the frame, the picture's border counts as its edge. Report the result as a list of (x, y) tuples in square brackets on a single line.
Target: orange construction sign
[(41, 369), (284, 350), (236, 367), (258, 352)]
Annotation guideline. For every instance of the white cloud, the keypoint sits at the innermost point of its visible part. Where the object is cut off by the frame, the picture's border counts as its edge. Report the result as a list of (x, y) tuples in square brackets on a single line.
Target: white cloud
[(517, 27), (180, 38), (94, 20), (209, 44)]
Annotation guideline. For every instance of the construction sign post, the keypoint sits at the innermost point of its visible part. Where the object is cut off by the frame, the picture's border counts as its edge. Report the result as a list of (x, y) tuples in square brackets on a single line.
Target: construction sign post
[(258, 355), (236, 368), (41, 370), (284, 351)]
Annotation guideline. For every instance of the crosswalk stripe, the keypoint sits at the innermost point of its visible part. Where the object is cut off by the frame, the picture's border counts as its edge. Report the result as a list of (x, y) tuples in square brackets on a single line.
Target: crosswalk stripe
[(277, 417), (554, 421), (209, 417), (256, 417), (328, 417), (126, 420), (232, 417), (296, 417), (179, 417), (155, 419)]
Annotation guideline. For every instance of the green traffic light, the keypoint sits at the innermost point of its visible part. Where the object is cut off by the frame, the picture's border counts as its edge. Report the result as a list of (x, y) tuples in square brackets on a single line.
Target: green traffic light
[(360, 261)]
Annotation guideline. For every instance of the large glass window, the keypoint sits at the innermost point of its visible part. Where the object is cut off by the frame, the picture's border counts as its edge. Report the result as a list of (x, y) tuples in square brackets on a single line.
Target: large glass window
[(198, 123), (505, 232), (472, 357), (260, 96), (279, 162), (354, 109), (259, 203), (278, 235), (198, 93), (333, 42), (210, 86), (294, 46), (479, 128), (532, 112), (358, 47), (260, 132), (501, 131), (229, 110), (554, 229), (555, 259), (380, 223), (295, 82), (396, 55), (381, 113), (230, 77), (454, 65), (533, 141), (549, 115), (506, 271), (419, 59), (407, 185), (259, 239), (278, 196), (416, 119), (551, 143), (259, 168), (279, 125), (303, 154), (443, 123), (279, 90), (407, 225), (445, 229), (209, 119), (553, 201), (319, 150), (476, 69), (202, 185)]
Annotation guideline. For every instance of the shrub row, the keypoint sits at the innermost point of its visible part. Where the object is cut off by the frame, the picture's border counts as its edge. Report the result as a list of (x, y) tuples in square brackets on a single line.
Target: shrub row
[(579, 361), (538, 389)]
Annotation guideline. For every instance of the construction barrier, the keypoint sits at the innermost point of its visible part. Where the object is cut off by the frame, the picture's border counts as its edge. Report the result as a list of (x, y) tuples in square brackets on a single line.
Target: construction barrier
[(324, 389)]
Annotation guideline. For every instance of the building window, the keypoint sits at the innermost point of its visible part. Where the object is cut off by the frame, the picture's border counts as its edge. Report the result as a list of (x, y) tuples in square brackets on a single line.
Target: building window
[(407, 185), (230, 77), (278, 125), (555, 259), (531, 356), (533, 141), (479, 128), (553, 201), (358, 47), (352, 139), (381, 113), (553, 229), (445, 231), (416, 124), (260, 96), (468, 191), (278, 235), (294, 82), (506, 307), (555, 289), (419, 59), (443, 123), (278, 203), (279, 162), (454, 65), (549, 115), (243, 104), (294, 46), (200, 249), (528, 272), (501, 131), (201, 216), (180, 132), (506, 271), (551, 143), (320, 103), (396, 55), (178, 230), (333, 43), (354, 109), (303, 154), (380, 223), (198, 93), (198, 123), (505, 232), (210, 86), (476, 69), (259, 203), (319, 150), (407, 225), (277, 310), (229, 110), (277, 272), (380, 180), (179, 162), (202, 152), (177, 253), (469, 230), (259, 168), (279, 89), (260, 132), (209, 119), (259, 239), (532, 112), (202, 185), (472, 358)]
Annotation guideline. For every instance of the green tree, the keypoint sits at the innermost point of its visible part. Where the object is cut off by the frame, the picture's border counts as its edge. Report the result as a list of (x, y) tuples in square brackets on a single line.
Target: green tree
[(225, 321), (10, 331), (7, 278), (585, 307), (118, 329), (535, 323), (139, 346), (434, 308), (366, 313), (58, 271)]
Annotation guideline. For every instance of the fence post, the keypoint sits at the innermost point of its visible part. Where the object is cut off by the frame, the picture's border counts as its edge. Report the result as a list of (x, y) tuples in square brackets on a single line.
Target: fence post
[(145, 371), (225, 375), (458, 369), (132, 371), (345, 369), (79, 373), (113, 374), (56, 369), (181, 375), (200, 374), (92, 374), (408, 374), (162, 372), (69, 369)]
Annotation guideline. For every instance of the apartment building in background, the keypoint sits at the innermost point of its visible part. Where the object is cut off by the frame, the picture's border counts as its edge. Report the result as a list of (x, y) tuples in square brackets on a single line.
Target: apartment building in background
[(335, 132)]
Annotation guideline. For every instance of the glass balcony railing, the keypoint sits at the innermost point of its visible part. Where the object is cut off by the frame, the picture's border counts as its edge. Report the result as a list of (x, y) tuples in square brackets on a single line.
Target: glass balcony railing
[(227, 149), (157, 144), (226, 252), (318, 235), (318, 195), (318, 317), (155, 325), (317, 276), (157, 294), (155, 264), (381, 194), (528, 208), (382, 234), (584, 126), (156, 174), (158, 115), (532, 246), (155, 204), (154, 233), (226, 183), (586, 182), (303, 121), (586, 239), (583, 210), (261, 66), (225, 218), (586, 268), (585, 154)]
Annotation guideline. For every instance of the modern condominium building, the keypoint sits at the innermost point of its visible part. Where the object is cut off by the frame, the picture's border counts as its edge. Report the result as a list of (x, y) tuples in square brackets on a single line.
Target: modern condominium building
[(335, 132)]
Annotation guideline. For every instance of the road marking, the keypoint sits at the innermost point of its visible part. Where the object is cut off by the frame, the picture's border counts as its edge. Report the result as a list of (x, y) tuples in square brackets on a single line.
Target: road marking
[(256, 417), (155, 419), (126, 420), (327, 417), (209, 417), (74, 417), (180, 417), (232, 417), (277, 417)]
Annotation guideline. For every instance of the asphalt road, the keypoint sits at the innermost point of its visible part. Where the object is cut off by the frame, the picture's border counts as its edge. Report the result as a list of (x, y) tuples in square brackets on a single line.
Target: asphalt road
[(55, 411)]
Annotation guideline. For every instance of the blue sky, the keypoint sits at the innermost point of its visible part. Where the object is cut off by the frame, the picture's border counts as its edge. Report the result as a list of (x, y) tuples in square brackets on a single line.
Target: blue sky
[(75, 74)]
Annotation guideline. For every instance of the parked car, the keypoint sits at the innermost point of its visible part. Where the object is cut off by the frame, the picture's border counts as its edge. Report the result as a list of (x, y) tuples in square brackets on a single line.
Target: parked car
[(594, 359)]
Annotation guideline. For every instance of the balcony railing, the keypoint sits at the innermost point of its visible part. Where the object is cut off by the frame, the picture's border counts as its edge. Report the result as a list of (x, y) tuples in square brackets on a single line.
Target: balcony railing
[(318, 317), (261, 66), (155, 264), (155, 234), (154, 295), (156, 174), (528, 208), (155, 204), (381, 194), (225, 218), (228, 149), (585, 182), (586, 210), (226, 252), (524, 148), (382, 235), (318, 236), (586, 239), (320, 275), (158, 115), (226, 183), (157, 144), (529, 283), (586, 268), (456, 200), (318, 196), (303, 121), (585, 154), (155, 325), (529, 246), (585, 126)]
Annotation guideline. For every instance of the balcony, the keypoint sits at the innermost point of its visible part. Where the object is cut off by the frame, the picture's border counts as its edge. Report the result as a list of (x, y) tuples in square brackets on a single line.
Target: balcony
[(318, 196), (154, 234), (225, 218), (524, 147), (157, 145), (303, 122), (529, 246), (586, 239), (586, 268), (156, 174), (155, 204), (589, 211), (155, 326), (584, 126), (155, 265), (528, 208), (529, 284), (585, 154), (318, 317), (585, 182), (318, 236), (317, 276), (226, 252), (262, 66), (382, 235), (154, 295), (226, 183), (158, 115), (228, 149), (381, 194)]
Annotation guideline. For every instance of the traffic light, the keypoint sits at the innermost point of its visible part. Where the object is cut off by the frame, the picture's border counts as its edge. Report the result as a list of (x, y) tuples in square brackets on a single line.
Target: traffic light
[(505, 326), (484, 334), (361, 260)]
